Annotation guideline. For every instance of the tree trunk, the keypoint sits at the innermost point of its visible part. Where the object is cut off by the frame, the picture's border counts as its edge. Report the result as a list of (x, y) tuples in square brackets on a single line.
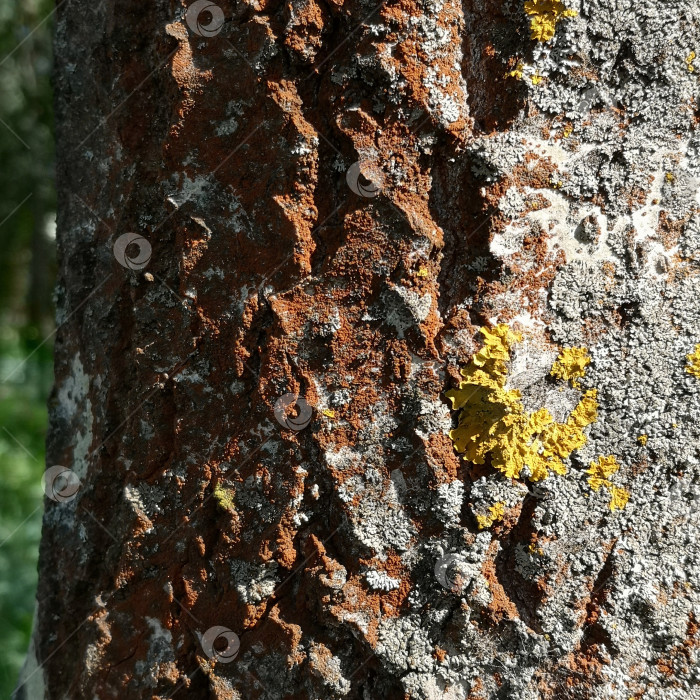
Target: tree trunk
[(284, 229)]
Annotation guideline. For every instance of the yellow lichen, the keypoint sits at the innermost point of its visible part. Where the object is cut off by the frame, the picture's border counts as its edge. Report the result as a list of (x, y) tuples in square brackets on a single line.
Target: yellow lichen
[(693, 366), (494, 424), (642, 440), (571, 365), (689, 62), (568, 130), (496, 512), (600, 471), (328, 413), (536, 79), (225, 497), (618, 498), (599, 475), (517, 72), (423, 272), (544, 16)]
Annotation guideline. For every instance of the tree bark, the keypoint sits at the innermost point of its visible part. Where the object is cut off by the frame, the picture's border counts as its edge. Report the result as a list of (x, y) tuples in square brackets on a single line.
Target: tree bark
[(334, 207)]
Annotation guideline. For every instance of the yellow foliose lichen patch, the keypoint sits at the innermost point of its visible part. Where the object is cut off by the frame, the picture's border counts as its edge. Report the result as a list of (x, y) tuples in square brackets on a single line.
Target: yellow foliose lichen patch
[(544, 16), (599, 475), (571, 365), (517, 72), (496, 512), (693, 366), (600, 471), (493, 422), (618, 498), (225, 497)]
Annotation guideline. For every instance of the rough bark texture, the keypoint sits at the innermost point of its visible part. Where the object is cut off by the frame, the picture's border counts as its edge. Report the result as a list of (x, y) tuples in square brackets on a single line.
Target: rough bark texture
[(520, 169)]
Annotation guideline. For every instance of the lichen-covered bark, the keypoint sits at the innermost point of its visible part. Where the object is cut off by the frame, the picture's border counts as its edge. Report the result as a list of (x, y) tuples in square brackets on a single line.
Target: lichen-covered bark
[(349, 202)]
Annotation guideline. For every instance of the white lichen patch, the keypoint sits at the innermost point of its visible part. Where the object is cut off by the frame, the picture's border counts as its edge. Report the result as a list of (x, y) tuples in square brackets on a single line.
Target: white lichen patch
[(161, 657), (189, 190), (448, 502), (381, 581), (328, 668), (75, 408), (254, 582)]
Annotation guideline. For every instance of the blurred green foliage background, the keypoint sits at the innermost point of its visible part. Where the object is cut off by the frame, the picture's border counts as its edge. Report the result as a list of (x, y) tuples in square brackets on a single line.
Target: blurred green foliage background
[(27, 273)]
